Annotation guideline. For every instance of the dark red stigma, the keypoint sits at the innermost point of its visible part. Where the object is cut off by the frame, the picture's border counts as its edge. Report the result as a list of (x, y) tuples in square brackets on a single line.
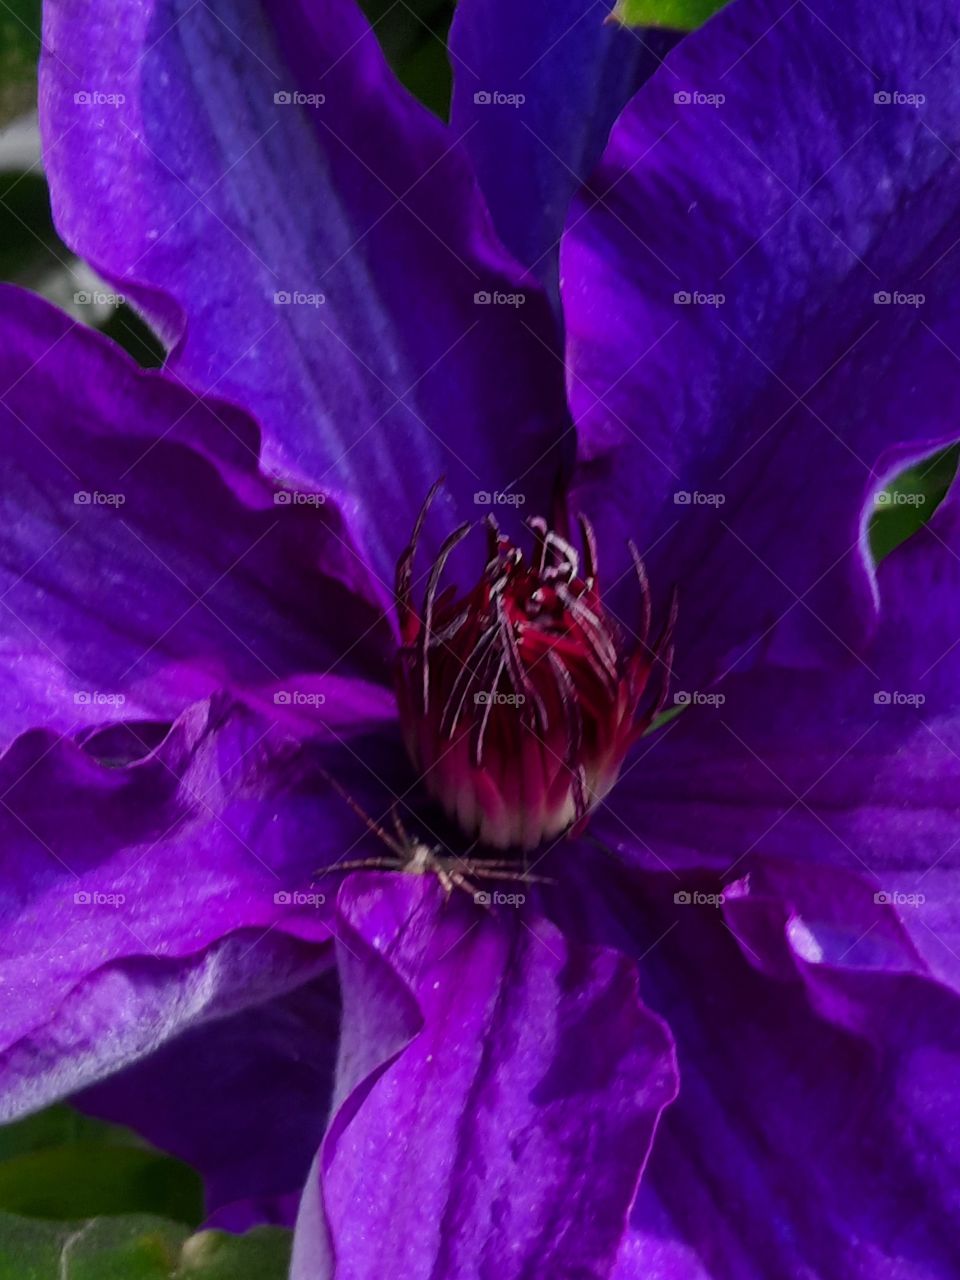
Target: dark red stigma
[(520, 699)]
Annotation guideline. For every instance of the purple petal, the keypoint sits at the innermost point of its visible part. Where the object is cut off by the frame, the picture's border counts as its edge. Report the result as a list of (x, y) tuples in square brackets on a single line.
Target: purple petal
[(158, 896), (523, 1074), (244, 1099), (144, 560), (855, 770), (813, 1133), (713, 432), (796, 1148), (535, 93), (386, 384)]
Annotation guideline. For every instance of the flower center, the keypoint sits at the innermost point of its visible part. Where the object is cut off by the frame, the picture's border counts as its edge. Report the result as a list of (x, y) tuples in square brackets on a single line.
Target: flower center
[(520, 698)]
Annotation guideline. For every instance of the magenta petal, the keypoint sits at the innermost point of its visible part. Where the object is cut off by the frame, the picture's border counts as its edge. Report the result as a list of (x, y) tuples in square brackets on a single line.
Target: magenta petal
[(814, 1130), (497, 1118), (814, 1133), (144, 561), (340, 311), (137, 902)]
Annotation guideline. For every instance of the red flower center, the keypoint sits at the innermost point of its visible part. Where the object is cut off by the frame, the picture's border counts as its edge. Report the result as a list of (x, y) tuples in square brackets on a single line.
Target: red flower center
[(520, 699)]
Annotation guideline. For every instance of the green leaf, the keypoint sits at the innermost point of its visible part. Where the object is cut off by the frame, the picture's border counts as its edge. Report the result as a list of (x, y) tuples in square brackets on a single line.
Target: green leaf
[(132, 1248), (19, 50), (61, 1164), (262, 1254), (426, 73), (413, 37), (57, 1126), (84, 1180), (678, 15), (29, 246), (137, 1247), (126, 328), (909, 501)]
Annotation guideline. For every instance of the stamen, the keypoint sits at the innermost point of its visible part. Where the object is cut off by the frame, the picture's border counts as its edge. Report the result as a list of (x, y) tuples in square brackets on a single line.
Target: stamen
[(467, 677), (485, 717), (566, 561), (538, 527), (404, 575), (446, 549), (518, 672), (564, 698), (646, 604), (589, 550)]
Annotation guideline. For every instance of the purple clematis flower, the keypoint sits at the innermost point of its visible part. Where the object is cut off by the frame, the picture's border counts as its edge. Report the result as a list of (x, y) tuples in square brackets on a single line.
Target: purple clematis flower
[(722, 1042)]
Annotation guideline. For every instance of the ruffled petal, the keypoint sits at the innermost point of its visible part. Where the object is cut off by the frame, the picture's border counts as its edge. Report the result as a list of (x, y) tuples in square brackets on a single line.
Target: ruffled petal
[(499, 1087), (814, 1131), (813, 1135), (310, 242), (739, 393), (855, 770), (144, 561), (139, 901)]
